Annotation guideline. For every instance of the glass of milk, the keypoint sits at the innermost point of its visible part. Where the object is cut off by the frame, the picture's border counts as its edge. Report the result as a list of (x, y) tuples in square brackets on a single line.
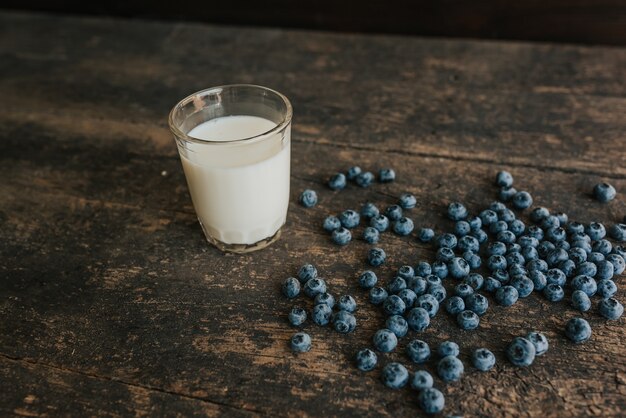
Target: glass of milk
[(234, 143)]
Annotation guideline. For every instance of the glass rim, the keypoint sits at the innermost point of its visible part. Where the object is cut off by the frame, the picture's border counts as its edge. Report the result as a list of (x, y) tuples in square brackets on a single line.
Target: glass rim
[(255, 138)]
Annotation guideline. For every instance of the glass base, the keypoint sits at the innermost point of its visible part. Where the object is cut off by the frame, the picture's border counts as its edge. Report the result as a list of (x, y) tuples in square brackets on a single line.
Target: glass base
[(241, 248)]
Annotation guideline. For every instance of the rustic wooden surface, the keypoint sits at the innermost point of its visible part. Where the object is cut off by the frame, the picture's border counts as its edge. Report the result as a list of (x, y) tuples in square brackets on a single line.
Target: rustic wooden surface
[(113, 304)]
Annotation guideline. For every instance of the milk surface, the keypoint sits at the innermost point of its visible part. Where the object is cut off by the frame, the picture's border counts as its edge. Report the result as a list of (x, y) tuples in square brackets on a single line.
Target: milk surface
[(240, 192)]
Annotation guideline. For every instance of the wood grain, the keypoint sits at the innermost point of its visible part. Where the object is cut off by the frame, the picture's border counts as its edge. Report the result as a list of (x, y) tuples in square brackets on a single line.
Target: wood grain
[(114, 305)]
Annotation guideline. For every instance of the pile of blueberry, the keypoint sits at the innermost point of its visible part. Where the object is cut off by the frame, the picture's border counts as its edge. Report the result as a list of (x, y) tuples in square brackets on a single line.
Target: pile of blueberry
[(551, 256)]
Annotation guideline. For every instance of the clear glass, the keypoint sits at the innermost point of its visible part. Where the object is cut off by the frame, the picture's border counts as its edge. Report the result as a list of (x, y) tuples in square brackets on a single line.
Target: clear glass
[(239, 186)]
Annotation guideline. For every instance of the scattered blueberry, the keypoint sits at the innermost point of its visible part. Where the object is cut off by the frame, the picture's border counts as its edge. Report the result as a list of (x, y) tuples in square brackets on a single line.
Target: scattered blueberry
[(618, 232), (368, 279), (397, 284), (448, 348), (346, 303), (395, 375), (431, 401), (385, 341), (429, 303), (580, 301), (297, 316), (605, 270), (553, 292), (380, 222), (343, 322), (407, 201), (440, 269), (386, 175), (337, 181), (403, 226), (376, 256), (606, 289), (506, 193), (366, 360), (394, 305), (418, 319), (408, 296), (522, 200), (371, 235), (378, 295), (341, 236), (398, 325), (539, 341), (447, 240), (364, 179), (369, 210), (604, 192), (331, 223), (585, 283), (393, 212), (426, 235), (619, 265), (456, 211), (301, 342), (462, 228), (596, 231), (578, 330), (472, 259), (477, 303), (507, 295), (321, 314), (291, 287), (314, 287), (458, 268), (454, 305), (421, 380), (483, 359), (504, 179), (308, 198), (521, 352), (353, 172), (491, 285), (468, 320), (325, 298), (610, 308), (488, 217), (418, 351), (450, 369), (306, 273), (349, 218)]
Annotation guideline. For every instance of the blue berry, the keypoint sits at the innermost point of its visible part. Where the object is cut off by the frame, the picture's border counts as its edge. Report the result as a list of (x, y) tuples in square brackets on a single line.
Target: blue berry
[(535, 232), (610, 308), (454, 305), (431, 401), (475, 280), (450, 369), (403, 226), (341, 236), (580, 301), (421, 380), (596, 231), (472, 259), (587, 268), (406, 271), (529, 253), (468, 243), (369, 210), (522, 200), (408, 296), (556, 256), (606, 289), (544, 248), (506, 215), (458, 268), (364, 179), (378, 295), (521, 352), (368, 279), (423, 269), (418, 285), (468, 320), (517, 227), (398, 325), (555, 234), (433, 280), (325, 298), (337, 181), (574, 227), (314, 287), (488, 217), (585, 283), (480, 235), (498, 227), (475, 223), (394, 305), (577, 255), (395, 375), (331, 223), (426, 235), (306, 273), (555, 276), (539, 214), (580, 243), (444, 254), (496, 248), (618, 232), (619, 265), (343, 322), (346, 303), (517, 270), (605, 270), (418, 319), (491, 285), (291, 287), (539, 341), (496, 262), (353, 172), (462, 228), (550, 222), (477, 303), (515, 258), (539, 279), (385, 341), (386, 175), (604, 192), (380, 222), (297, 316), (440, 269), (507, 295), (418, 351), (301, 342), (483, 359), (366, 360), (376, 256), (448, 348), (456, 211), (349, 218), (506, 237), (463, 290), (563, 218), (321, 314), (504, 179), (564, 245), (407, 201), (506, 193), (438, 291), (446, 240), (371, 235), (603, 247), (553, 292), (577, 330), (393, 212), (308, 198), (595, 257), (501, 275)]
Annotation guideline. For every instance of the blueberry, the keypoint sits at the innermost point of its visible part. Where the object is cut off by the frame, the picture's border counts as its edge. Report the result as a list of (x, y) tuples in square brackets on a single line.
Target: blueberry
[(556, 256), (539, 341), (605, 270), (297, 316), (488, 217), (398, 325), (454, 305), (545, 248), (596, 231), (462, 228), (346, 303), (426, 235), (396, 284), (369, 210), (380, 222), (483, 359), (450, 369), (472, 259), (468, 243), (407, 201), (433, 280), (376, 256), (337, 181), (496, 262), (444, 254), (504, 179), (325, 298), (364, 179), (577, 255), (491, 285), (555, 234), (393, 212), (604, 192), (477, 303), (406, 272), (456, 211), (343, 322), (306, 273), (353, 172), (610, 308), (595, 257), (507, 295), (606, 288), (463, 290), (506, 215), (331, 223), (385, 341), (468, 320), (321, 314), (498, 227), (314, 287), (447, 240), (496, 248), (580, 243), (366, 360), (308, 198), (448, 348), (497, 206), (301, 342), (475, 223), (535, 232), (522, 200), (394, 305), (577, 330), (395, 375), (521, 352), (564, 245), (341, 236), (408, 296), (480, 235), (585, 283), (580, 301), (440, 269), (421, 380), (378, 295), (423, 269), (517, 227), (349, 218), (458, 268), (563, 218), (403, 226), (506, 237), (587, 268), (386, 175), (550, 222), (418, 351), (438, 291), (418, 319), (539, 280), (517, 270), (515, 258), (619, 250), (371, 235), (555, 276), (574, 227), (431, 401), (553, 292), (603, 247), (538, 214), (618, 232), (291, 287), (506, 193), (418, 285), (501, 275)]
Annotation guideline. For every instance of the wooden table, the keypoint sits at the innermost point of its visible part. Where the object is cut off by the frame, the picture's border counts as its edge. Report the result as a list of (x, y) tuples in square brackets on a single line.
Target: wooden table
[(113, 304)]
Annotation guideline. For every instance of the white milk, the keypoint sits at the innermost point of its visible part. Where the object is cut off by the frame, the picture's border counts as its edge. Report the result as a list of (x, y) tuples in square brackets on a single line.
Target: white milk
[(240, 192)]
